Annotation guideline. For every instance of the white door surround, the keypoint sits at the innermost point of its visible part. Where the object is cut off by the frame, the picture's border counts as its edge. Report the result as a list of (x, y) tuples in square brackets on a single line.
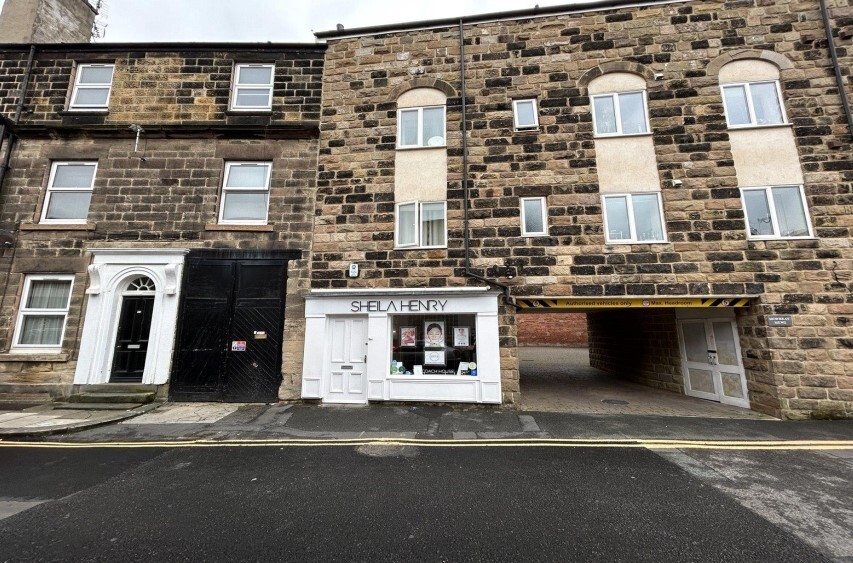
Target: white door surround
[(110, 273), (346, 380), (711, 360)]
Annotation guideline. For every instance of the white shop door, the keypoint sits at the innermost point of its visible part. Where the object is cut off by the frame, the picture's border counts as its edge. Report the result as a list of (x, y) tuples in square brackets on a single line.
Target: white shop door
[(346, 381), (711, 359)]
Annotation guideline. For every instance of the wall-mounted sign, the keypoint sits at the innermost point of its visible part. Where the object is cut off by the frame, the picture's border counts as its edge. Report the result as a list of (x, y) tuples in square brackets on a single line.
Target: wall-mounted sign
[(238, 345), (398, 305), (780, 320)]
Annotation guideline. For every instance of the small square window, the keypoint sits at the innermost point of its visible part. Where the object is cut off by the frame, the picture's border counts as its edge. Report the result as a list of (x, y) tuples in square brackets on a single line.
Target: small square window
[(633, 218), (525, 115), (245, 193), (753, 104), (253, 85), (620, 114), (92, 87), (534, 216), (69, 192), (420, 127), (421, 224), (776, 212), (43, 312)]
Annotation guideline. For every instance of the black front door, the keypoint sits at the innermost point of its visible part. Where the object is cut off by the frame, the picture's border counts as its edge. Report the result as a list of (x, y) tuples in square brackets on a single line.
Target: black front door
[(230, 327), (131, 348)]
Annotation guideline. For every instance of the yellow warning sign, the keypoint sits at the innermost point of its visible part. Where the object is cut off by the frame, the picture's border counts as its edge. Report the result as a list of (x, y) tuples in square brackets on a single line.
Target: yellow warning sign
[(639, 303)]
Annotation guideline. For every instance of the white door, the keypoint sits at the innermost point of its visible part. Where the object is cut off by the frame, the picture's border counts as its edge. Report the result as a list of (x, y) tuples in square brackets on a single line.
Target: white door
[(711, 359), (346, 381)]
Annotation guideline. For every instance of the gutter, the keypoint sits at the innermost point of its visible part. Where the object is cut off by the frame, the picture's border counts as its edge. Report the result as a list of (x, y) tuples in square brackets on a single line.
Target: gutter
[(839, 79), (508, 298)]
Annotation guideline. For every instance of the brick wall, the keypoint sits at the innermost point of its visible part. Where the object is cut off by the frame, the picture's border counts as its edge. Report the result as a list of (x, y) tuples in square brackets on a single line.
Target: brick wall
[(552, 329)]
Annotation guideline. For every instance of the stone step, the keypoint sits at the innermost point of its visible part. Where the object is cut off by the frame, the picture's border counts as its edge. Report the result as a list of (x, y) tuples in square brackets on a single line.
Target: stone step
[(116, 388), (125, 397), (25, 398), (97, 406)]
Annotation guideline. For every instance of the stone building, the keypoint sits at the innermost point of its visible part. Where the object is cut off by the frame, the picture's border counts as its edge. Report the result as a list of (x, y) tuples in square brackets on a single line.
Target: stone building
[(156, 210), (681, 170)]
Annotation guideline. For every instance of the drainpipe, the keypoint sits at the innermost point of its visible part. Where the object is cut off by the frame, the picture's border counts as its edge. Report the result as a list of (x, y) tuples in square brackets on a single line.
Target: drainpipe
[(509, 299), (834, 56), (7, 155)]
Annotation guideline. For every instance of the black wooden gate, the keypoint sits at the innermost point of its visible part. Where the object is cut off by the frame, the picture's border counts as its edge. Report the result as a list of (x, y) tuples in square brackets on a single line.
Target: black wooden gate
[(230, 326)]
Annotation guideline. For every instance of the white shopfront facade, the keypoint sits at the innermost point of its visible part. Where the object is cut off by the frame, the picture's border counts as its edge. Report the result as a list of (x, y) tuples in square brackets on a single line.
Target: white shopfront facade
[(402, 345)]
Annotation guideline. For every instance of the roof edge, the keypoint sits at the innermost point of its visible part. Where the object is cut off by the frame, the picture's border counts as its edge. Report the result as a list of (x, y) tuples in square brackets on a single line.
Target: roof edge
[(574, 8), (164, 46)]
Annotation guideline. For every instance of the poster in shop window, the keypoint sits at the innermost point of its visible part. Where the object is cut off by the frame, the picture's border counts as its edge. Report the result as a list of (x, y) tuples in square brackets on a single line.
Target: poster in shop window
[(460, 336), (434, 334), (408, 336)]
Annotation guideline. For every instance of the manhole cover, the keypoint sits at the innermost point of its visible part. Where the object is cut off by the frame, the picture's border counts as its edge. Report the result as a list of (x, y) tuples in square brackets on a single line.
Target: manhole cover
[(614, 402)]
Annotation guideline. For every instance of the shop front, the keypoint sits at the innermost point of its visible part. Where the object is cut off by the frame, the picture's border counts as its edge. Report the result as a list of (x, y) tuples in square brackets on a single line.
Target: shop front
[(402, 345)]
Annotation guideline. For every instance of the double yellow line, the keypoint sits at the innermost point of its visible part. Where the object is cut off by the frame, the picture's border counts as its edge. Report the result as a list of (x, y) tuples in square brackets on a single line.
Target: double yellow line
[(651, 444)]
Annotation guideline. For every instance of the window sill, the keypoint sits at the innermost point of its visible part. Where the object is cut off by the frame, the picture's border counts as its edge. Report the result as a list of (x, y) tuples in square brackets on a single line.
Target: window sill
[(443, 147), (766, 239), (631, 242), (249, 111), (237, 227), (420, 248), (46, 356), (84, 111), (621, 136), (58, 226), (752, 126), (534, 235), (531, 129)]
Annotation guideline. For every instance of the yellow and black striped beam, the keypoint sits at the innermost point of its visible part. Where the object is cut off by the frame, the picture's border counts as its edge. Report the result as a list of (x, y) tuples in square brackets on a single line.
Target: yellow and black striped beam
[(539, 304)]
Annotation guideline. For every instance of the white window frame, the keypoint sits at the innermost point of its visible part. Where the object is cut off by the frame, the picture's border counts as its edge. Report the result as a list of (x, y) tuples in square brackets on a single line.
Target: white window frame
[(544, 207), (751, 106), (419, 225), (774, 218), (420, 141), (617, 108), (51, 190), (236, 86), (228, 166), (23, 312), (72, 106), (631, 221), (526, 127)]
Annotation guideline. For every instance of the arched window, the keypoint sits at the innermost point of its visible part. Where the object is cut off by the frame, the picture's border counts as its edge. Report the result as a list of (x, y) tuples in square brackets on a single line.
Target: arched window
[(751, 94), (619, 104)]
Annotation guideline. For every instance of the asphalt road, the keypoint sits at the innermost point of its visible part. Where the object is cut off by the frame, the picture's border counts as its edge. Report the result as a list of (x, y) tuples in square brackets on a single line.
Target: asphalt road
[(375, 503)]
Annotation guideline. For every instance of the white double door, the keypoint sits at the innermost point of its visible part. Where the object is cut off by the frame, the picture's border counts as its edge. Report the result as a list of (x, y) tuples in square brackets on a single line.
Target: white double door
[(711, 360), (346, 378)]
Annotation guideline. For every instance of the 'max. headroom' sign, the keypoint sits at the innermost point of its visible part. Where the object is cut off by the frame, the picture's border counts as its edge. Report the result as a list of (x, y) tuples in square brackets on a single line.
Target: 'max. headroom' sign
[(398, 305)]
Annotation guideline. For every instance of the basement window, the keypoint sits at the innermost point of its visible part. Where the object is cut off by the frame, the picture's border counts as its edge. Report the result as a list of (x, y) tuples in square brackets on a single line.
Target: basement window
[(245, 193), (776, 212), (421, 225), (252, 90), (92, 87), (44, 309), (633, 218), (69, 192)]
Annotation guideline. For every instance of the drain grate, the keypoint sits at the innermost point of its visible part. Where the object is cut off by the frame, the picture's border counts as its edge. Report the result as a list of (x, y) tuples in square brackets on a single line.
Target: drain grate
[(614, 402)]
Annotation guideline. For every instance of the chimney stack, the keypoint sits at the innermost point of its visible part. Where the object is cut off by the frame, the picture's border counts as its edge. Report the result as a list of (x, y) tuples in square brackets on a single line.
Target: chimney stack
[(47, 21)]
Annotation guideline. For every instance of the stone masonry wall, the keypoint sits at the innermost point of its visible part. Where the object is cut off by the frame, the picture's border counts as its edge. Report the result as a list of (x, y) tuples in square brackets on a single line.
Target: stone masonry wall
[(801, 371), (552, 329)]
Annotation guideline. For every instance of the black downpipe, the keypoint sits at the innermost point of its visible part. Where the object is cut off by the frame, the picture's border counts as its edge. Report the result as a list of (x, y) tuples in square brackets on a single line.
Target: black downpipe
[(25, 83), (510, 300), (839, 79)]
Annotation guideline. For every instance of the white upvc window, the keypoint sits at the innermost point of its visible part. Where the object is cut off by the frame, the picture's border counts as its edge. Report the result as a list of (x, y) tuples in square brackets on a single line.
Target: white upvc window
[(421, 224), (524, 114), (69, 192), (92, 87), (253, 85), (751, 104), (534, 216), (622, 113), (633, 218), (421, 127), (776, 212), (43, 312), (245, 193)]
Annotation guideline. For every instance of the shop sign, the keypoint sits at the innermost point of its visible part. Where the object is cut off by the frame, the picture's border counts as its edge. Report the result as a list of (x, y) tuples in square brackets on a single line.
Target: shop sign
[(398, 305), (646, 303)]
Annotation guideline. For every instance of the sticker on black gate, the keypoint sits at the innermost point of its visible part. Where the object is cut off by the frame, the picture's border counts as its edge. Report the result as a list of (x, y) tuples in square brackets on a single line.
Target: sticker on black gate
[(238, 345)]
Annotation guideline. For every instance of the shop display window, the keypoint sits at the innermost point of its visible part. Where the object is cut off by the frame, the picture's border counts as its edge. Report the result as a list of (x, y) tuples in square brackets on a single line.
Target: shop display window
[(434, 345)]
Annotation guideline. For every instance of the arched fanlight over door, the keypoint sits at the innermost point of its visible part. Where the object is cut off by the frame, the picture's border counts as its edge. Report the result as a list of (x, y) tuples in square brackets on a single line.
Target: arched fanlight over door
[(142, 283)]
